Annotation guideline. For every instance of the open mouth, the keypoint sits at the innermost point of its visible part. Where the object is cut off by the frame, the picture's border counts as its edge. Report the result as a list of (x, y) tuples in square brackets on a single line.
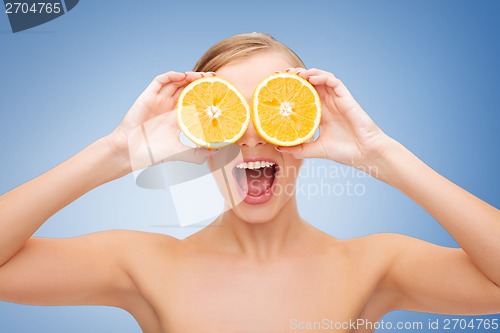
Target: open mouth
[(255, 180)]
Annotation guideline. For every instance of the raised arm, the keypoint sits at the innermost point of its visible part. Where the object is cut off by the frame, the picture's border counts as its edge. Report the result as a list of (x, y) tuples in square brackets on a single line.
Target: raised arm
[(426, 276), (473, 223), (48, 271), (24, 209)]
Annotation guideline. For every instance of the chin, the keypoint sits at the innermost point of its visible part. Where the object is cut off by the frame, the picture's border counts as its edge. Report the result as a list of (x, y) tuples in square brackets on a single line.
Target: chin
[(261, 213)]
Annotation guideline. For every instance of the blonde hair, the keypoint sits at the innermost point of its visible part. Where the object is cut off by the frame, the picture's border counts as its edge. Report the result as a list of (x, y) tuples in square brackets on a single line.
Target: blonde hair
[(240, 46)]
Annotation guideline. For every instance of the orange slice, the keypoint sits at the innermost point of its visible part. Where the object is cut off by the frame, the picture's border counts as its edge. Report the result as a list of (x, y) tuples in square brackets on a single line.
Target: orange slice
[(212, 113), (286, 109)]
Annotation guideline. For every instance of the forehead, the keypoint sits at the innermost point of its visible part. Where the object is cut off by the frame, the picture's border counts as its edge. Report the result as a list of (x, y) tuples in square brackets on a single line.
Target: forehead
[(248, 72)]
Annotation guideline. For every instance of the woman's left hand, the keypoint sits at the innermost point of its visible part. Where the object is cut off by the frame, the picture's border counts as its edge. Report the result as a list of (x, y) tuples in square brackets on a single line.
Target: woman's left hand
[(347, 134)]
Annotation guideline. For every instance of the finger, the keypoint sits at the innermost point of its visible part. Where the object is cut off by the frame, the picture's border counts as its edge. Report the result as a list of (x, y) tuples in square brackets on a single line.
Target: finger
[(304, 150), (323, 84), (320, 78), (338, 87), (349, 108), (170, 89), (306, 73), (162, 79), (192, 76), (316, 71), (295, 70), (176, 94), (172, 92)]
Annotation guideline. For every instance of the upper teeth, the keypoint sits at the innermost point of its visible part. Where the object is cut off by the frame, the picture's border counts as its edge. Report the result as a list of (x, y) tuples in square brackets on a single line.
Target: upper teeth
[(255, 165)]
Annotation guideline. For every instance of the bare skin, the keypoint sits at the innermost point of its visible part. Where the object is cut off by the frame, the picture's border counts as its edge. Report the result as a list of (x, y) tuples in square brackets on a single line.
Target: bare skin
[(255, 269)]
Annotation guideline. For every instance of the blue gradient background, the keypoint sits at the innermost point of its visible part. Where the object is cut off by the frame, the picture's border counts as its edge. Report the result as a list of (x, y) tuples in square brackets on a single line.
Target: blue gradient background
[(426, 71)]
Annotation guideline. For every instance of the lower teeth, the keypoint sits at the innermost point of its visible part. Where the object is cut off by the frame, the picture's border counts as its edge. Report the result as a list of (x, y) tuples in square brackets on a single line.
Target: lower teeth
[(245, 192)]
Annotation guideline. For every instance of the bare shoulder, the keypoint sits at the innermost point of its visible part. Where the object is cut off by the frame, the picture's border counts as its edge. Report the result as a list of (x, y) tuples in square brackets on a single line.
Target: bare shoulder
[(388, 247), (132, 250), (376, 252), (382, 242), (137, 244), (143, 237)]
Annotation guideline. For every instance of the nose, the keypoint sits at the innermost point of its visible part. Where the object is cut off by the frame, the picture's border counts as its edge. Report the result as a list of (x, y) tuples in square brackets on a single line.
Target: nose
[(251, 138)]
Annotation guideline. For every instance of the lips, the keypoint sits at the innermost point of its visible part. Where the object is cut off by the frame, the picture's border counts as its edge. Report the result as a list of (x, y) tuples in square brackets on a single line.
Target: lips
[(255, 179)]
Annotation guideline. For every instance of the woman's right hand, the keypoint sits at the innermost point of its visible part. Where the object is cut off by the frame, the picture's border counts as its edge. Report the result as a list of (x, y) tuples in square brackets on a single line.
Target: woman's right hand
[(149, 132)]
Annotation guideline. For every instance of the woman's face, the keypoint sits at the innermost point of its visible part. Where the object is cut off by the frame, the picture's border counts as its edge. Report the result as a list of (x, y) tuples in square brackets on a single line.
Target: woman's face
[(260, 180)]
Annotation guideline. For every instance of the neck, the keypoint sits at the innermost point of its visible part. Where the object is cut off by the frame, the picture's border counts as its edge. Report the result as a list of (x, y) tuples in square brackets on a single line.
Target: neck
[(263, 240)]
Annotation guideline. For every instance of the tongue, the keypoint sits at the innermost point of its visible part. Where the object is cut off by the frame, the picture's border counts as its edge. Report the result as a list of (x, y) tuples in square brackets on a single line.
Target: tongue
[(259, 181)]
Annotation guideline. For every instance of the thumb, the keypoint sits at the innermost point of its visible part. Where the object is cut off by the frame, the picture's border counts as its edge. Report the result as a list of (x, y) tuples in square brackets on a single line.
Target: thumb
[(304, 150)]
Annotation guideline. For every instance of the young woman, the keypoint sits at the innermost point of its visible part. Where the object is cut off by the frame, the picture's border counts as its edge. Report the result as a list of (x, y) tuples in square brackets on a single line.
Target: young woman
[(261, 268)]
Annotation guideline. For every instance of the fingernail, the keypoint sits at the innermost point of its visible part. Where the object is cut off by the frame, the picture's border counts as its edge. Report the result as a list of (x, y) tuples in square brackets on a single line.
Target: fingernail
[(288, 69)]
